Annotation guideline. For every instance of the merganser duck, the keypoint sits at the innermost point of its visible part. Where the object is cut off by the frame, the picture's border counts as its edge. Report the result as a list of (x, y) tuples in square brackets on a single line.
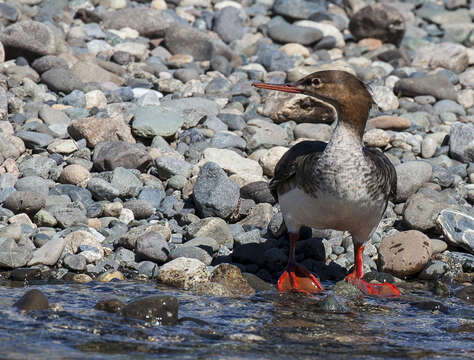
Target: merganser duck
[(340, 185)]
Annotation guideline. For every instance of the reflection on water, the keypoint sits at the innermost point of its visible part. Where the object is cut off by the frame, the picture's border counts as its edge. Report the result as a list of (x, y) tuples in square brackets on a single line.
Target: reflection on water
[(266, 326)]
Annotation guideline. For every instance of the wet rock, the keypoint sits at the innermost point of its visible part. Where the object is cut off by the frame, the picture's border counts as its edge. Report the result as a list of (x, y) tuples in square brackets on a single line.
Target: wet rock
[(346, 290), (461, 142), (25, 274), (404, 253), (96, 130), (214, 194), (438, 86), (12, 255), (112, 154), (49, 253), (153, 246), (378, 21), (230, 276), (466, 294), (32, 300), (157, 309), (25, 202), (110, 275), (411, 175), (458, 229), (434, 270), (183, 273), (256, 283), (110, 305), (333, 304)]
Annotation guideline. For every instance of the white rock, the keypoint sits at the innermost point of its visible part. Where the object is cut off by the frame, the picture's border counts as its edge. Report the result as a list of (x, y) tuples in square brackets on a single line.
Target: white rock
[(159, 5), (376, 137), (430, 143), (126, 216), (61, 146), (271, 158), (231, 162), (134, 48), (183, 273), (385, 98), (223, 4), (125, 33), (95, 98)]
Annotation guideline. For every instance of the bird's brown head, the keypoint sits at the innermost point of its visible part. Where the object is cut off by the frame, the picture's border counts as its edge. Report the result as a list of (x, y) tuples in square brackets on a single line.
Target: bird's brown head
[(345, 92)]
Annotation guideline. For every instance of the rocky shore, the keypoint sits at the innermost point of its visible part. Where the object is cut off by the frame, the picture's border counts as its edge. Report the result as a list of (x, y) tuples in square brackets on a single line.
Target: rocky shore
[(133, 146)]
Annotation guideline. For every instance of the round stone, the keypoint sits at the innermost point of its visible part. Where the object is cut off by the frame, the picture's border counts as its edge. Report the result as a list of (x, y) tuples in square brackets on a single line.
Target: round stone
[(74, 174)]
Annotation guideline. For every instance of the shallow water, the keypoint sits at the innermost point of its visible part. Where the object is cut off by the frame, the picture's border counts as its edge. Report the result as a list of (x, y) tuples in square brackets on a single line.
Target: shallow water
[(265, 326)]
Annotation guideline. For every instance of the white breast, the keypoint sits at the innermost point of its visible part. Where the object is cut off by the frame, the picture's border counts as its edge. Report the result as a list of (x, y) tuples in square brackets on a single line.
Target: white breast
[(326, 211)]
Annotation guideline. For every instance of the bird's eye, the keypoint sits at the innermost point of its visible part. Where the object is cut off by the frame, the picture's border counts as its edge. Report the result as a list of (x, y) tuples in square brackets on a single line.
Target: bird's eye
[(316, 82)]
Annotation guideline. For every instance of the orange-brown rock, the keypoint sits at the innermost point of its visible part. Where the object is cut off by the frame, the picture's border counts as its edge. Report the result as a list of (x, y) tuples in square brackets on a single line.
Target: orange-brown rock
[(387, 122), (95, 130)]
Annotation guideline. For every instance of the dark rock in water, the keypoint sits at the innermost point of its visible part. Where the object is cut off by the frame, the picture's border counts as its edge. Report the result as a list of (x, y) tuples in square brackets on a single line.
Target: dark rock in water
[(61, 79), (346, 290), (110, 305), (461, 142), (153, 246), (333, 304), (434, 270), (378, 21), (256, 283), (438, 86), (298, 9), (431, 305), (457, 229), (160, 309), (182, 39), (214, 193), (25, 201), (25, 274), (229, 24), (32, 300), (231, 277), (148, 268), (466, 294), (281, 31), (112, 154), (149, 23), (258, 191), (30, 39), (465, 260)]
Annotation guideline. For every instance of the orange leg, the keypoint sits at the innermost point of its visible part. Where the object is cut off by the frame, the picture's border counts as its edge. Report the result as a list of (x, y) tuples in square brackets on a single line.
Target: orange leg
[(384, 290), (296, 277)]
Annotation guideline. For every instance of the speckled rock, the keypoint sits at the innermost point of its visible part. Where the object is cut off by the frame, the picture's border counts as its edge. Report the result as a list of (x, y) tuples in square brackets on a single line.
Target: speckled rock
[(183, 273), (405, 253)]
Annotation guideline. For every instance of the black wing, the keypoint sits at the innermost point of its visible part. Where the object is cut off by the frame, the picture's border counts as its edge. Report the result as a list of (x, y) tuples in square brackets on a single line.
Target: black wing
[(385, 174), (293, 160)]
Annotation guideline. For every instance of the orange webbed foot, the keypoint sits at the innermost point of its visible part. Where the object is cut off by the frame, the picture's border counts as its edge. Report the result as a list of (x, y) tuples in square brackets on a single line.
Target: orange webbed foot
[(298, 278), (381, 289)]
